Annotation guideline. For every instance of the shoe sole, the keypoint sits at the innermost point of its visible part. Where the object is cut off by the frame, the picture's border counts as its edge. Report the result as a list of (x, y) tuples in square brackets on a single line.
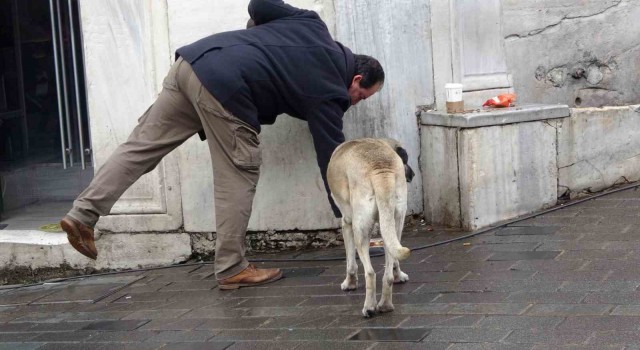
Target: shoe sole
[(75, 239), (241, 285)]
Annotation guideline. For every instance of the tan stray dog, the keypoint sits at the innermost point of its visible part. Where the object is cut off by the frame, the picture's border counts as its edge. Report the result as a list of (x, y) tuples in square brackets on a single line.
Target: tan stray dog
[(368, 181)]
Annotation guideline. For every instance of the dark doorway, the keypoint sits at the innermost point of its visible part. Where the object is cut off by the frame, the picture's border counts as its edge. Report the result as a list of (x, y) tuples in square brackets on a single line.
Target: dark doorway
[(45, 156)]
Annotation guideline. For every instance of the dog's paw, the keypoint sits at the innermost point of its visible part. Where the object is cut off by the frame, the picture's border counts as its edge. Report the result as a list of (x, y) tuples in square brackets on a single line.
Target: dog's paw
[(349, 284), (400, 277), (385, 307), (368, 312)]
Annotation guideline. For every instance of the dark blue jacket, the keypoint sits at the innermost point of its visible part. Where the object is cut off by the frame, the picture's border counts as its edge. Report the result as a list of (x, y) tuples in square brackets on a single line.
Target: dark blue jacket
[(288, 63)]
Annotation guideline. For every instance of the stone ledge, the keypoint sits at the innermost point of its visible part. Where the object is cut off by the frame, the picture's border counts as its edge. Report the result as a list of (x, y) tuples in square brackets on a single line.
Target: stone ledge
[(495, 116)]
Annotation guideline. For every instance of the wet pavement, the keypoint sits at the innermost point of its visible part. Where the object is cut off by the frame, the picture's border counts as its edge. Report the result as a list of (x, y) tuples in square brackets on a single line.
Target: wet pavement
[(565, 280)]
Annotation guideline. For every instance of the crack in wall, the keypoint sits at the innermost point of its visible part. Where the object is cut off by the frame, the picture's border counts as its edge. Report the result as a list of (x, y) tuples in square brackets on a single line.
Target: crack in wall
[(563, 19)]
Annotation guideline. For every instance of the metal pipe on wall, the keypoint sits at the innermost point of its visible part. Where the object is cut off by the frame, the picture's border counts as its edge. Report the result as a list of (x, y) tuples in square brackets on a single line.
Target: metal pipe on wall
[(77, 84), (56, 66), (64, 84)]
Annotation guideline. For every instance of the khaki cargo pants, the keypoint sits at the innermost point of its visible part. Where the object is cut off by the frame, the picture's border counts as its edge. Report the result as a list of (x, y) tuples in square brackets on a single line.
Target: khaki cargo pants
[(183, 108)]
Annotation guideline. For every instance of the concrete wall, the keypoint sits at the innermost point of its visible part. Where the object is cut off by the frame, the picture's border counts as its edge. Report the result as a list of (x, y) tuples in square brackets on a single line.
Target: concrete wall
[(597, 148), (584, 53)]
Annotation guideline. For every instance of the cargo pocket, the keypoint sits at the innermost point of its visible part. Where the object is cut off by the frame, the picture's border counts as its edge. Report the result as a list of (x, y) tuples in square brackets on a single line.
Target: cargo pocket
[(246, 149)]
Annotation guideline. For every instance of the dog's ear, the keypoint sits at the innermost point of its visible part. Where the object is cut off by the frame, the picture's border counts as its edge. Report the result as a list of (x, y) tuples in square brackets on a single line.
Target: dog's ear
[(408, 173), (403, 154)]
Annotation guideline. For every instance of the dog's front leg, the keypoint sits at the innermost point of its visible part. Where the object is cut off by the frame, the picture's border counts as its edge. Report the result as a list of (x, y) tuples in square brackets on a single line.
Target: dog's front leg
[(386, 303), (351, 281)]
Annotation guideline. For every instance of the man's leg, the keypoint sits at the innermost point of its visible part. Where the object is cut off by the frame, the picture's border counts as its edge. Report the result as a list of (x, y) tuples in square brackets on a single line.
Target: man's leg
[(236, 159), (170, 121)]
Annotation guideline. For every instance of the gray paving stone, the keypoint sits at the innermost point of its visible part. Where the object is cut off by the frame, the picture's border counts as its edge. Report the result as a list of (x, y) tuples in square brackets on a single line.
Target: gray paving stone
[(191, 285), (437, 321), (499, 276), (488, 346), (626, 310), (317, 334), (277, 311), (255, 334), (421, 309), (156, 314), (527, 231), (266, 345), (16, 327), (180, 336), (511, 256), (276, 301), (546, 297), (466, 335), (612, 298), (489, 309), (568, 310), (615, 338), (120, 336), (198, 346), (593, 286), (76, 336), (594, 254), (481, 297), (506, 247), (215, 312), (543, 265), (20, 346), (58, 327), (484, 266), (390, 334), (239, 323), (578, 347), (311, 321), (601, 323), (520, 322), (386, 320), (323, 345), (63, 346), (411, 346), (128, 325), (129, 346), (579, 276), (17, 337), (171, 325), (548, 336), (426, 277)]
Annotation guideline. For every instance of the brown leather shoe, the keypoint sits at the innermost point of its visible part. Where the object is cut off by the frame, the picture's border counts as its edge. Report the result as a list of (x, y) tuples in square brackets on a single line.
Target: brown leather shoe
[(249, 277), (80, 236)]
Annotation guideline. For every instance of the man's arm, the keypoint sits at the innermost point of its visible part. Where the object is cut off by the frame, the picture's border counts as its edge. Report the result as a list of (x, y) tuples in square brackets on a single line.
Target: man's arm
[(264, 11), (325, 124)]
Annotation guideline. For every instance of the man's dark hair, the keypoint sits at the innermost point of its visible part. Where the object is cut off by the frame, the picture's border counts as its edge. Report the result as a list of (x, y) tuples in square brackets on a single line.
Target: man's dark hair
[(370, 69)]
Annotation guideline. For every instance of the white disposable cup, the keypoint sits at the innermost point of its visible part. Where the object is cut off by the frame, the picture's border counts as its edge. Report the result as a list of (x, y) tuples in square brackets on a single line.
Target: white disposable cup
[(454, 98), (454, 92)]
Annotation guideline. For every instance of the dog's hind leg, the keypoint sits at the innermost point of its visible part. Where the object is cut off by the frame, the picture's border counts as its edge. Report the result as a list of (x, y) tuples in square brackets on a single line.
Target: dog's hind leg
[(398, 275), (351, 281), (362, 227), (386, 303)]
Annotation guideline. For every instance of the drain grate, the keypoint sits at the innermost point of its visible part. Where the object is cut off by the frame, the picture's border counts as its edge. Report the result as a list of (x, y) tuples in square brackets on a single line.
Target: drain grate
[(391, 334)]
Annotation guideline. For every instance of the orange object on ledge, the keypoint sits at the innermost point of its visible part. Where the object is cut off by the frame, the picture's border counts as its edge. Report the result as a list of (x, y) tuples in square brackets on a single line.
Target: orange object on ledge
[(503, 100)]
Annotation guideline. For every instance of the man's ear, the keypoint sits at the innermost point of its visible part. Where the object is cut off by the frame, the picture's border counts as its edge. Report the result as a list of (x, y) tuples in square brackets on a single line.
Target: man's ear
[(356, 79), (250, 23)]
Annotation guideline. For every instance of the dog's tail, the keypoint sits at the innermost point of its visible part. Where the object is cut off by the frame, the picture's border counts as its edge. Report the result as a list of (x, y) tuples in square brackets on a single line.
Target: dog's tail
[(384, 187)]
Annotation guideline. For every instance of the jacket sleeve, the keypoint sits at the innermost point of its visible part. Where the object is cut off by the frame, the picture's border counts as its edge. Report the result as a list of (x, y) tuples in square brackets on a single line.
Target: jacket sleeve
[(325, 124), (264, 11)]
